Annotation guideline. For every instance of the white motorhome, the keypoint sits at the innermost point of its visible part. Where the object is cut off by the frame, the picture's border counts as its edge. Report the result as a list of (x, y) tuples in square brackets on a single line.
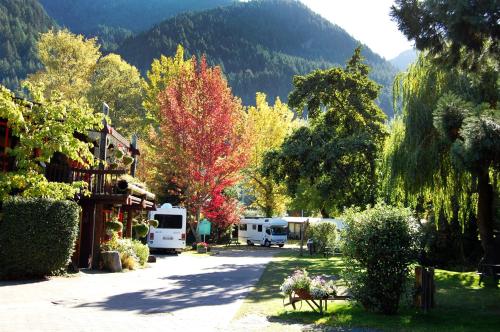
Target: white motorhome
[(170, 234), (263, 231)]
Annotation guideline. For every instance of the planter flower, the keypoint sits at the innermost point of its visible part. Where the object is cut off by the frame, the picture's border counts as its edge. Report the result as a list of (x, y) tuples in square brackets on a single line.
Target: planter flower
[(305, 287), (201, 247)]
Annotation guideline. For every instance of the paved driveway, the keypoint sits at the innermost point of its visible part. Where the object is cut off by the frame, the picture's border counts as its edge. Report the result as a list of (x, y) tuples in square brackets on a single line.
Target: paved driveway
[(185, 292)]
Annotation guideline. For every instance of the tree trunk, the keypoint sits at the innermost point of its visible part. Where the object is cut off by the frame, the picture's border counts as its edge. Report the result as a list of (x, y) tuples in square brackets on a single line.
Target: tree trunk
[(193, 229), (485, 216)]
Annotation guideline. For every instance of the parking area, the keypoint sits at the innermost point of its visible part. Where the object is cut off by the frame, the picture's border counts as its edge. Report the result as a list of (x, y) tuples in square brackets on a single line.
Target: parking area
[(184, 292)]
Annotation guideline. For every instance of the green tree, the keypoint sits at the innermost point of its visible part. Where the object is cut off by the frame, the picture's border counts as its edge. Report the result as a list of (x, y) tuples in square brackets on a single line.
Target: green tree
[(120, 85), (68, 64), (456, 32), (44, 127), (268, 126), (335, 157)]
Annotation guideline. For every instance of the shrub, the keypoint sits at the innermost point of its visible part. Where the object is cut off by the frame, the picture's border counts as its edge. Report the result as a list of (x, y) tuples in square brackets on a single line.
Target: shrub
[(141, 251), (153, 223), (37, 236), (379, 244), (114, 226), (323, 234), (129, 250)]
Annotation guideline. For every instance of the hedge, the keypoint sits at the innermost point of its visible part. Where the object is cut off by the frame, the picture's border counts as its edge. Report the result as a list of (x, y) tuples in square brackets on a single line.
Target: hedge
[(37, 237)]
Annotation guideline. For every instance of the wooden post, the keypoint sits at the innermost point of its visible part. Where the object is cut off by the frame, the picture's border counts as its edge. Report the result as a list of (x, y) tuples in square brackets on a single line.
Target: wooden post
[(425, 288), (103, 147), (98, 235), (133, 144), (130, 216)]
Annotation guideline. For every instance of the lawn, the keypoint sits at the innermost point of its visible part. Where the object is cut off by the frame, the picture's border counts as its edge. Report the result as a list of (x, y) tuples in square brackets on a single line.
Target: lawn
[(461, 305)]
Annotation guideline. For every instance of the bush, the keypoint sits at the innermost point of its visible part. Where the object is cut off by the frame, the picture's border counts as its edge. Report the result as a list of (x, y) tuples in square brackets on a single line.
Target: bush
[(379, 244), (323, 234), (37, 236), (129, 250)]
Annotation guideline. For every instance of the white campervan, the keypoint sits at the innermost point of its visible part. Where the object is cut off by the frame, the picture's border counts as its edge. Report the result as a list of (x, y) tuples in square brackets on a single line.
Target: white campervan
[(171, 231), (264, 231)]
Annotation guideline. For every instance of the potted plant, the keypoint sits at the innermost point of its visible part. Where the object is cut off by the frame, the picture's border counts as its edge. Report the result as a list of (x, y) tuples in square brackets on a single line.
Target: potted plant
[(113, 226), (305, 287), (202, 247)]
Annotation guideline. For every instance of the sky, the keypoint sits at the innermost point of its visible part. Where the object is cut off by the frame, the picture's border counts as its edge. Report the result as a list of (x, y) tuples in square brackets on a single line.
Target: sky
[(367, 21)]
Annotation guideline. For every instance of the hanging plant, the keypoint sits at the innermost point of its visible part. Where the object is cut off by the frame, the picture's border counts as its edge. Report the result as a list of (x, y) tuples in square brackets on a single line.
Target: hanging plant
[(153, 223), (140, 230), (113, 226), (127, 160), (119, 153)]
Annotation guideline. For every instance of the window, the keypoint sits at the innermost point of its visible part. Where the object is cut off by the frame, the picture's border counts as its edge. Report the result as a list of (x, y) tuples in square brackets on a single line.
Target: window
[(243, 227), (254, 227), (259, 228), (268, 231), (169, 221)]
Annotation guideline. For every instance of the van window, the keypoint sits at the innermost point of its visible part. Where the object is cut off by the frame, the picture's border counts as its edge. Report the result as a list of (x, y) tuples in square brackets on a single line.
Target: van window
[(259, 228), (243, 227), (268, 231), (169, 221), (254, 227)]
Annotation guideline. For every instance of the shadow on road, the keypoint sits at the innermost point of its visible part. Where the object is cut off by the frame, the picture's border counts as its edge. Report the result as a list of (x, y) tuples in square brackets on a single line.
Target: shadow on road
[(226, 285)]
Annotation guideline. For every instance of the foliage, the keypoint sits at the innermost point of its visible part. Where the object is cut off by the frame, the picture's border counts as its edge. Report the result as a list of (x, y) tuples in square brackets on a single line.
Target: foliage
[(47, 126), (153, 223), (201, 245), (223, 211), (268, 126), (73, 66), (334, 159), (120, 85), (20, 24), (131, 251), (455, 32), (37, 236), (260, 46), (379, 244), (141, 251), (324, 235), (68, 63), (202, 135)]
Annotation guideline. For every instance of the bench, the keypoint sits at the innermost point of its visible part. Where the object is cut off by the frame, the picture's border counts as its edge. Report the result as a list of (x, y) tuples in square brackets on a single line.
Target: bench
[(488, 270), (327, 252), (317, 305), (233, 241)]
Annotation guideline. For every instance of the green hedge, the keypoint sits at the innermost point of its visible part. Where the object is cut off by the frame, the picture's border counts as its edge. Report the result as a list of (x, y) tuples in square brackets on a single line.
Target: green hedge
[(37, 236)]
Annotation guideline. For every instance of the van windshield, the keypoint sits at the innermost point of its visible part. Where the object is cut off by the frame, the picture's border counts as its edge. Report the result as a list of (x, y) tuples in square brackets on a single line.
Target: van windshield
[(169, 221), (278, 230)]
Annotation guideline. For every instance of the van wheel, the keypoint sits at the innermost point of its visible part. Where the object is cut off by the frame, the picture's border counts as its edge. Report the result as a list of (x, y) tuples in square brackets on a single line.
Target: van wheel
[(281, 245), (249, 243), (267, 244)]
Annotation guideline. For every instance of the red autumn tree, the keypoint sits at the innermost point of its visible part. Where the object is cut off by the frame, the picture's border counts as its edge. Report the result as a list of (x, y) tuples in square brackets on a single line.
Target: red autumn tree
[(223, 211), (202, 135)]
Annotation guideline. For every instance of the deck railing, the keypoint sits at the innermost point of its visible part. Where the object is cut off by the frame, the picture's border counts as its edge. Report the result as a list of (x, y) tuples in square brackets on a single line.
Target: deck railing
[(99, 182)]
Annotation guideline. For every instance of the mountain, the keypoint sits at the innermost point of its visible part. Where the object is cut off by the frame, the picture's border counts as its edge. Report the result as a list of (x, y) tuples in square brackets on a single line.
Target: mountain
[(82, 16), (260, 46), (21, 21), (404, 59)]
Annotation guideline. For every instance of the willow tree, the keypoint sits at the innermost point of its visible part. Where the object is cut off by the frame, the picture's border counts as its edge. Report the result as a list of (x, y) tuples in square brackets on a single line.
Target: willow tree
[(450, 108), (447, 155)]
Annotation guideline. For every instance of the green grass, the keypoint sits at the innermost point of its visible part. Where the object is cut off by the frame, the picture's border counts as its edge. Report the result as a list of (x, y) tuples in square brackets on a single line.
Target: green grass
[(461, 305)]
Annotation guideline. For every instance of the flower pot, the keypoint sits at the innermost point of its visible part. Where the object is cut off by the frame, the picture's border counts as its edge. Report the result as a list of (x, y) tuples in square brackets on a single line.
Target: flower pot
[(201, 250), (303, 294)]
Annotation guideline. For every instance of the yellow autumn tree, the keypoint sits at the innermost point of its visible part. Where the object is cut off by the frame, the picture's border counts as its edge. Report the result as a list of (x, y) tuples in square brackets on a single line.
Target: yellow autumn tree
[(268, 126)]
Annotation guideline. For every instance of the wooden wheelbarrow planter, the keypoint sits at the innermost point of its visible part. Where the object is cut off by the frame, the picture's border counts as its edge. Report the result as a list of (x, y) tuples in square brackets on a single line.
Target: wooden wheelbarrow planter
[(317, 305)]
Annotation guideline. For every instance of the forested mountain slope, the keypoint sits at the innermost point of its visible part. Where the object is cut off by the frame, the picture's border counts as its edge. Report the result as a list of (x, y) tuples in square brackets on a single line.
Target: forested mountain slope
[(20, 23), (260, 45)]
